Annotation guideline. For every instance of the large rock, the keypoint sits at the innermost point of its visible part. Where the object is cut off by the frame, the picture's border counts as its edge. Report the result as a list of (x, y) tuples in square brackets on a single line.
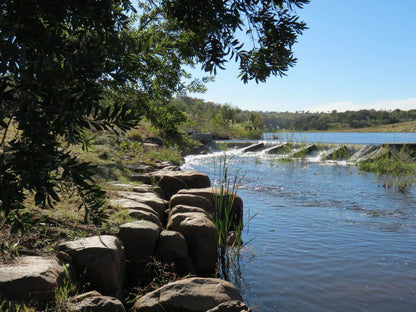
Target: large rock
[(188, 295), (141, 188), (139, 239), (171, 185), (185, 209), (94, 302), (211, 193), (171, 247), (201, 237), (191, 200), (32, 277), (193, 179), (231, 306), (140, 168), (101, 260), (144, 188), (132, 204), (141, 177), (145, 215), (150, 199)]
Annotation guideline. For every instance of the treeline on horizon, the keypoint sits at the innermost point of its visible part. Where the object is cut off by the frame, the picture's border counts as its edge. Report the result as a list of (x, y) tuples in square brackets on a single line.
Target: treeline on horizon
[(225, 120)]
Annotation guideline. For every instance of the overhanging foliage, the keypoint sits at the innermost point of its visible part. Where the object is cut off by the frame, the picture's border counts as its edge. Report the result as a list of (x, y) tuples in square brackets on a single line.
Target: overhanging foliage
[(70, 66)]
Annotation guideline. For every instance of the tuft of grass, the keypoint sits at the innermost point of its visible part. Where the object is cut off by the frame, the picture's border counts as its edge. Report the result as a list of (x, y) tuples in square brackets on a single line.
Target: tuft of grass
[(396, 168), (228, 223), (342, 153)]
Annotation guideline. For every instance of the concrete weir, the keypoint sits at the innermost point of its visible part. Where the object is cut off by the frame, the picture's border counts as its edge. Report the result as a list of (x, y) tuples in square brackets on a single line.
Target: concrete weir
[(275, 149), (335, 152), (351, 153), (302, 151), (253, 147)]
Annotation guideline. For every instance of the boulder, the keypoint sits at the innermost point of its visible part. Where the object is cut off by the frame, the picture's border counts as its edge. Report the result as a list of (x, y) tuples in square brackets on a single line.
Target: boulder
[(171, 247), (161, 164), (201, 237), (139, 239), (101, 260), (132, 204), (32, 277), (141, 177), (145, 215), (191, 200), (231, 306), (188, 295), (172, 168), (94, 302), (145, 188), (141, 168), (193, 179), (185, 209), (154, 140), (171, 185), (138, 188), (150, 199)]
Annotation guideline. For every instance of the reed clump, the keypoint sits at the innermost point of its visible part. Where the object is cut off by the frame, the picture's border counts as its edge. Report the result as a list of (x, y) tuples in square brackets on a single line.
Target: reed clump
[(396, 167), (227, 217)]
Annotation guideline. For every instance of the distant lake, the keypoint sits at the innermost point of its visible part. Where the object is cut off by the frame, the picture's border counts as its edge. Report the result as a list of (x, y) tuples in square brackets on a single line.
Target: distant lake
[(344, 137)]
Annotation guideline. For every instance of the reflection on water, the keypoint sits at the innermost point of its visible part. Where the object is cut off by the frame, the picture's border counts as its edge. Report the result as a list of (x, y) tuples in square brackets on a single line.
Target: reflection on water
[(326, 237)]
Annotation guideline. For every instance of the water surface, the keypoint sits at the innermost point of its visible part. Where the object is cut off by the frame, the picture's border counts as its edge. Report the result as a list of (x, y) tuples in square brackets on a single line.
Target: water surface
[(345, 137), (325, 237)]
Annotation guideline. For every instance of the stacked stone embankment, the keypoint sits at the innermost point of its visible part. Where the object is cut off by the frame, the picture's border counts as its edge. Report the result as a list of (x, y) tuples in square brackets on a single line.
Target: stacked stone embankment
[(173, 224)]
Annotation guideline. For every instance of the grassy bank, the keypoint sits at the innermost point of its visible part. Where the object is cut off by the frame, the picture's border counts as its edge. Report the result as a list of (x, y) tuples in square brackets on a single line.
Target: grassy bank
[(396, 168), (409, 126)]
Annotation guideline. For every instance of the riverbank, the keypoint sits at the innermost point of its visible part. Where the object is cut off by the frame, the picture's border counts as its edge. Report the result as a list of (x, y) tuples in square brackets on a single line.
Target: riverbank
[(165, 257), (149, 238)]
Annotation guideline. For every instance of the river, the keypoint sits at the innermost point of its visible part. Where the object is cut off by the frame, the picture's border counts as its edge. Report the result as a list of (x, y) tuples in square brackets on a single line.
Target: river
[(324, 237)]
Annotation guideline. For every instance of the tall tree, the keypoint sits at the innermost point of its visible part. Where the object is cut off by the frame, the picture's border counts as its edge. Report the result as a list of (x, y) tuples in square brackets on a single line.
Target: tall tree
[(71, 65)]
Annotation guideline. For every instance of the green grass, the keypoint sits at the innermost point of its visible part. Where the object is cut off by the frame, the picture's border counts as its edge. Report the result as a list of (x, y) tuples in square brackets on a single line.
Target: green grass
[(397, 169)]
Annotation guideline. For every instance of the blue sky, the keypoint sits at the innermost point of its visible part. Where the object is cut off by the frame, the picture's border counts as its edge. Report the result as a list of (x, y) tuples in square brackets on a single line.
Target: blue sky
[(356, 54)]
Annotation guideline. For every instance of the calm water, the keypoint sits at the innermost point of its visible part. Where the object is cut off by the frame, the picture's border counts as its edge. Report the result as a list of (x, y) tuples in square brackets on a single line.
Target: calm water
[(325, 237), (345, 137)]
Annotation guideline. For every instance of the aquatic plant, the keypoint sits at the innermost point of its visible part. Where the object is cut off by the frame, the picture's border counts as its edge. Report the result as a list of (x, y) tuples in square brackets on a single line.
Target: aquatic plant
[(227, 217), (397, 168), (257, 160)]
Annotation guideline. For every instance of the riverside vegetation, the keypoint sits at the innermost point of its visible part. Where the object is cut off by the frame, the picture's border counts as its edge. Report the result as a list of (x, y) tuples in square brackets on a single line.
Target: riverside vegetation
[(227, 121)]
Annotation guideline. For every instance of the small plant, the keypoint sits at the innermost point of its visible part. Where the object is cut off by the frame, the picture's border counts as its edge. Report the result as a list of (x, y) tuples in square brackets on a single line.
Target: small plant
[(64, 292), (396, 168), (9, 249), (131, 147), (154, 275), (341, 153), (227, 219)]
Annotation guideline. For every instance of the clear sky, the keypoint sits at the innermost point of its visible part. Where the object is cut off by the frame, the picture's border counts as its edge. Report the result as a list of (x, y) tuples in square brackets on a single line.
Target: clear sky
[(356, 54)]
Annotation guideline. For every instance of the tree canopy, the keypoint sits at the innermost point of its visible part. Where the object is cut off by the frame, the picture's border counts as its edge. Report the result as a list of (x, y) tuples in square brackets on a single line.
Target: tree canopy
[(74, 65)]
